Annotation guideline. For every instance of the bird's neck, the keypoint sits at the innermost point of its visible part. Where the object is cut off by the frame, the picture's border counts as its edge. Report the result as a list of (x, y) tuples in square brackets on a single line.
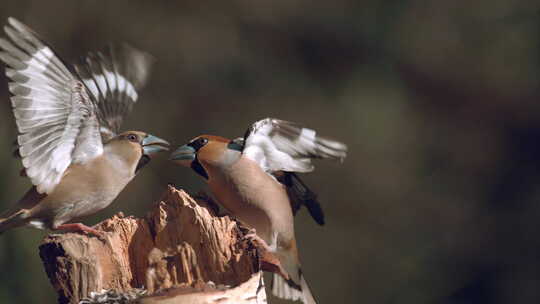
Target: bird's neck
[(120, 164)]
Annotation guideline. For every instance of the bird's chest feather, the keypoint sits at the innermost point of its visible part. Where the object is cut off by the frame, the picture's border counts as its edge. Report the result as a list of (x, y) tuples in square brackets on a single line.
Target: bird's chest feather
[(244, 182), (254, 197), (88, 188)]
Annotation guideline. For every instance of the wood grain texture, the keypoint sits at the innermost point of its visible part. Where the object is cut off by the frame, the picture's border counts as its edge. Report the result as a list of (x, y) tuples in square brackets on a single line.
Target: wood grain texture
[(181, 249)]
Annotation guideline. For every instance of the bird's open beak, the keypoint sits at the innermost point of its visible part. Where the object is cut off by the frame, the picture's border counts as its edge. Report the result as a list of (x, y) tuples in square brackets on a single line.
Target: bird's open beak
[(183, 155), (152, 144)]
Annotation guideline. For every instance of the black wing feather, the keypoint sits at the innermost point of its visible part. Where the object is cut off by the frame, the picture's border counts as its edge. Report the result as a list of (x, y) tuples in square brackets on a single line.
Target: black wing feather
[(300, 195), (113, 78)]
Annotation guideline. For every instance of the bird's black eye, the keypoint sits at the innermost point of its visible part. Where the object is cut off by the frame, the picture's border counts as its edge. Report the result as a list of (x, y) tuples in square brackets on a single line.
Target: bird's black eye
[(132, 137), (202, 141), (199, 143)]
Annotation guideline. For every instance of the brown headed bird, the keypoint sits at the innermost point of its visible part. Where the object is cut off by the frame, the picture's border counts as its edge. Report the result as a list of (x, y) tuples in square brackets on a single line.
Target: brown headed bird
[(253, 178), (68, 123)]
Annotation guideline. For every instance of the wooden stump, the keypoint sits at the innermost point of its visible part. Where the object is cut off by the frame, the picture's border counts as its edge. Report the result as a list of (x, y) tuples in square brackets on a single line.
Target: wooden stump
[(181, 252)]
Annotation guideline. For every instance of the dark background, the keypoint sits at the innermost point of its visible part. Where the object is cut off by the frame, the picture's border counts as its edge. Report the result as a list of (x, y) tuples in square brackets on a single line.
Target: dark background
[(439, 102)]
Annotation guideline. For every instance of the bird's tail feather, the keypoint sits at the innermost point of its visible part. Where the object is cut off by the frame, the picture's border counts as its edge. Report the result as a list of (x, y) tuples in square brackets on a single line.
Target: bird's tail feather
[(13, 221), (290, 291)]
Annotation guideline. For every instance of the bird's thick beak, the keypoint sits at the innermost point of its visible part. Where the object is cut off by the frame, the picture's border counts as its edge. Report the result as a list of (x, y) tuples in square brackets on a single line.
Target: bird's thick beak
[(152, 144), (183, 155)]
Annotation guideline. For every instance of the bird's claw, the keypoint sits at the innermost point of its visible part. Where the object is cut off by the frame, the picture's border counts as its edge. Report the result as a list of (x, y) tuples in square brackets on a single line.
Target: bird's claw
[(268, 260), (81, 228), (257, 241)]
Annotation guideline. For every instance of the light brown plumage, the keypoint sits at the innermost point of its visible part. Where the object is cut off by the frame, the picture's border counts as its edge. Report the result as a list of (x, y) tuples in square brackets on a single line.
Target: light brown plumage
[(244, 175), (68, 124), (85, 188)]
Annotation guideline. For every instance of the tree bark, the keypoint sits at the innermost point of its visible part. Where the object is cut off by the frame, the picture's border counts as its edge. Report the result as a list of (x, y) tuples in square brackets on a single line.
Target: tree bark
[(181, 252)]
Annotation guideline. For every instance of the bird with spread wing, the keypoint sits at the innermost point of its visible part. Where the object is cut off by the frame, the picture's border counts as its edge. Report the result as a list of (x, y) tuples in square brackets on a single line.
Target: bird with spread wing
[(68, 122), (254, 179)]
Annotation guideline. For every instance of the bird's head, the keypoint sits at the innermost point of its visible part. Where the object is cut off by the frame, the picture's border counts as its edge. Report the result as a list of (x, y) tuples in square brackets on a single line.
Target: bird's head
[(205, 152), (137, 147)]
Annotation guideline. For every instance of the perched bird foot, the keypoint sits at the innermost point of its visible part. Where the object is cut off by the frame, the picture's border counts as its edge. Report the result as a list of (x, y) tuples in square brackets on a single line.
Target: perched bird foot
[(82, 228), (257, 241), (269, 261)]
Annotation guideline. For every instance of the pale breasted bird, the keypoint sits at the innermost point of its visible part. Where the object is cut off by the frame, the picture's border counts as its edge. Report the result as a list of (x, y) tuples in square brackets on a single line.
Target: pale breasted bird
[(254, 179), (68, 120)]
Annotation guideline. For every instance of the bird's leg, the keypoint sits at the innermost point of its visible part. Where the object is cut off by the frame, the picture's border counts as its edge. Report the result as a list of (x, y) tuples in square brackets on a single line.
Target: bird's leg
[(257, 241), (80, 227), (269, 261)]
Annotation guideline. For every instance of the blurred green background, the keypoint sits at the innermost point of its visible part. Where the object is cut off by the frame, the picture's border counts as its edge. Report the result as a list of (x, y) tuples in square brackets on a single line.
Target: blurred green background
[(439, 102)]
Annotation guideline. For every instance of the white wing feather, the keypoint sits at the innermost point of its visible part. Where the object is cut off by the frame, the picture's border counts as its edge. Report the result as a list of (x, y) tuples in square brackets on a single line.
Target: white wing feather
[(278, 145), (113, 77), (54, 115)]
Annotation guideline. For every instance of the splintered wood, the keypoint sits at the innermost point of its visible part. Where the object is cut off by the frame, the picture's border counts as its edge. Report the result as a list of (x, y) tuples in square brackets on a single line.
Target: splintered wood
[(181, 252)]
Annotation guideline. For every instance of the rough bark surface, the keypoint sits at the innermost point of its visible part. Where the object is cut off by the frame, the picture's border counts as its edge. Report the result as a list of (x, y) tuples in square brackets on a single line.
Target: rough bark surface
[(172, 254)]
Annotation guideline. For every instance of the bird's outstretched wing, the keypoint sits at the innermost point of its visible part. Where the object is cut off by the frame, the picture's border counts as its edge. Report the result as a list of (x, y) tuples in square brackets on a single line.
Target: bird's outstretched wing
[(55, 117), (282, 148), (278, 145), (113, 78)]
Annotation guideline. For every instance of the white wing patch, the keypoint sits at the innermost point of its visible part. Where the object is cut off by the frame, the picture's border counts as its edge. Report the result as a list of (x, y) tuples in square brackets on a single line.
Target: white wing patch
[(278, 145), (112, 78), (113, 83), (40, 60), (50, 106)]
